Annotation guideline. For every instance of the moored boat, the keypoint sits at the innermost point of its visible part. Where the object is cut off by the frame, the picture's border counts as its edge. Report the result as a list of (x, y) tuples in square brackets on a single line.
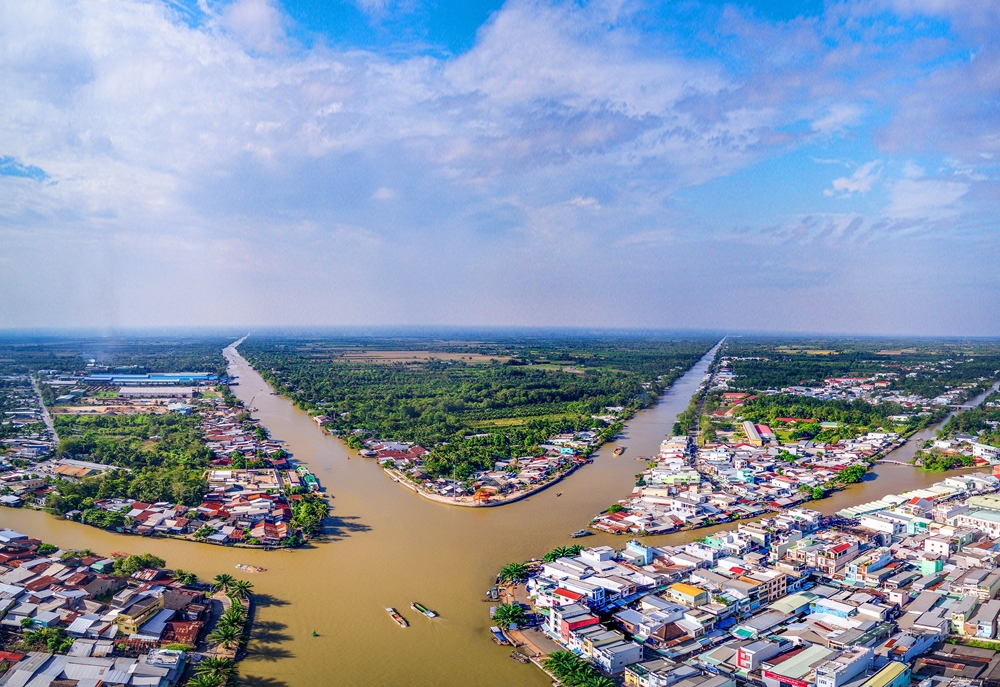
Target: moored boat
[(620, 450), (420, 608), (581, 533), (498, 636), (394, 614)]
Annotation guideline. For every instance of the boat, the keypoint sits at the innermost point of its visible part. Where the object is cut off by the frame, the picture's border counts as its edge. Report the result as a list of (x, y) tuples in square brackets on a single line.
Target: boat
[(250, 568), (498, 636), (559, 494), (394, 614), (420, 608), (518, 656), (581, 533), (620, 450)]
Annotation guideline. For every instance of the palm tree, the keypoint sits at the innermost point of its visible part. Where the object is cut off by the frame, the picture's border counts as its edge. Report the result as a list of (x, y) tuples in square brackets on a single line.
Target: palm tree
[(185, 577), (226, 635), (233, 618), (222, 582), (562, 552), (561, 663), (240, 588), (205, 680), (513, 573), (600, 681), (509, 614), (222, 670)]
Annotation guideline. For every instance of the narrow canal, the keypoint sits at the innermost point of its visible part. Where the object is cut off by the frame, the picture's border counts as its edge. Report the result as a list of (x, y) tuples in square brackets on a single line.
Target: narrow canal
[(388, 546)]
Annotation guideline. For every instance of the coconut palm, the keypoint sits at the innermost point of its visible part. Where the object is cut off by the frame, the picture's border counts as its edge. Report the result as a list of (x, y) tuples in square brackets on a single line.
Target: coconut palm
[(203, 681), (232, 618), (240, 588), (221, 670), (600, 681), (513, 573), (509, 614), (562, 552), (185, 577), (226, 635), (222, 582)]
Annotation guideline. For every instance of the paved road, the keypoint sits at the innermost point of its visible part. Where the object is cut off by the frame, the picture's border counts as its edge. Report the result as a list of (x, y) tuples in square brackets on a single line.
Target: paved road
[(45, 411)]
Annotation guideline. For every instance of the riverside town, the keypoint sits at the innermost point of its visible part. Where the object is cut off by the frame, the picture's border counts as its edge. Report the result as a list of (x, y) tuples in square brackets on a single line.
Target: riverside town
[(754, 539)]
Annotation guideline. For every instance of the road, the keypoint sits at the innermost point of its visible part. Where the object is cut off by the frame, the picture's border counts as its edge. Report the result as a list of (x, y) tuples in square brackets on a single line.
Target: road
[(45, 411)]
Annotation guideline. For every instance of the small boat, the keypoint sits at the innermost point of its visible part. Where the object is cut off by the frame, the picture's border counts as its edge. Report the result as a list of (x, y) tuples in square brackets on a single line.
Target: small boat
[(581, 533), (250, 568), (559, 494), (620, 450), (400, 620), (420, 608), (498, 636), (518, 656)]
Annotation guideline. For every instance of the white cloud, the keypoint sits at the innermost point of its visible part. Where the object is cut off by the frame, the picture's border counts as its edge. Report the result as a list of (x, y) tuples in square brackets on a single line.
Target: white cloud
[(258, 24), (229, 141), (860, 182), (924, 199), (837, 118)]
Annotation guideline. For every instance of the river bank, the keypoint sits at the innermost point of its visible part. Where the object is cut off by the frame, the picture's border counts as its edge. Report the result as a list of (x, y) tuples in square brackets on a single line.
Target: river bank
[(339, 587)]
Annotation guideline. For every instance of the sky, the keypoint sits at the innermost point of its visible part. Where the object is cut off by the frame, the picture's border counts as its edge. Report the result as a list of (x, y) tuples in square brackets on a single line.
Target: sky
[(782, 166)]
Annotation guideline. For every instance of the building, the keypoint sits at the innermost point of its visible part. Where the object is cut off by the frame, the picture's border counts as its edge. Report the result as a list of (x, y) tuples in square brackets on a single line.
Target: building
[(836, 672), (753, 436), (895, 674), (136, 613), (688, 594), (156, 392)]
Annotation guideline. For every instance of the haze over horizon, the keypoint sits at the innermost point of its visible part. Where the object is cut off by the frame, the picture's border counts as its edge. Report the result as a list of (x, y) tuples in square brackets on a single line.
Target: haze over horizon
[(620, 163)]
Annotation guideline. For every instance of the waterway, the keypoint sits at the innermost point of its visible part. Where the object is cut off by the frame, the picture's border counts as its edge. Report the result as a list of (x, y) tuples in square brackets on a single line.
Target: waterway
[(387, 546)]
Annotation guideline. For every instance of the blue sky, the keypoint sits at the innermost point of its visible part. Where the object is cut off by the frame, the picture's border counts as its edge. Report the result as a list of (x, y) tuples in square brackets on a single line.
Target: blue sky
[(787, 166)]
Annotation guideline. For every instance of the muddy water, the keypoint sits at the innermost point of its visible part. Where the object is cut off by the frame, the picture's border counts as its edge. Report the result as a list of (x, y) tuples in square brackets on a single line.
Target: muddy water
[(387, 546)]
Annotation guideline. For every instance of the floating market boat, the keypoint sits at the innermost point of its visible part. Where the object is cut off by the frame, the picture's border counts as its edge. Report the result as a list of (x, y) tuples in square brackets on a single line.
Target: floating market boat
[(420, 608), (620, 450), (394, 614), (250, 568)]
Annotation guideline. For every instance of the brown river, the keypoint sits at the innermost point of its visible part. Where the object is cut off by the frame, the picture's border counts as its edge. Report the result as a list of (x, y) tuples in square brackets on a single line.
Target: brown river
[(387, 546)]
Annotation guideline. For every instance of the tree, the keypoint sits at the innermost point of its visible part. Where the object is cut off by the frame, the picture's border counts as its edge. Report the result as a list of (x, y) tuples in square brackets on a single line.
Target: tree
[(129, 565), (818, 493), (509, 614), (616, 508), (47, 549), (562, 552), (512, 573), (240, 588), (225, 635), (222, 670), (204, 680), (185, 577), (600, 681), (222, 581)]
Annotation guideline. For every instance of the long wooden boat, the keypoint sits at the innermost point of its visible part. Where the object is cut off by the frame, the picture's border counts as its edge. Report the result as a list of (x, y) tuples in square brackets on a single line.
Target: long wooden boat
[(498, 635), (394, 614), (250, 568), (620, 450), (420, 608)]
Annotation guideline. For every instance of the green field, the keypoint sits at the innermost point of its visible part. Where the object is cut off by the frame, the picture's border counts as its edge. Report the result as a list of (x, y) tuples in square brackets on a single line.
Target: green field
[(517, 390)]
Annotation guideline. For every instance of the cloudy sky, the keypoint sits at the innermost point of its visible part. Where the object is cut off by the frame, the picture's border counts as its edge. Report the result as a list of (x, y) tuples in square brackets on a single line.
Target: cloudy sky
[(610, 163)]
